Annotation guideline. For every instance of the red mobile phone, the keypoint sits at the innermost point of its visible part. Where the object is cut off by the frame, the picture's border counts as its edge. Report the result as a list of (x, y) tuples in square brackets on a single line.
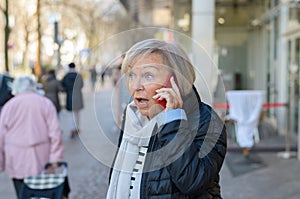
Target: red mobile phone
[(167, 84)]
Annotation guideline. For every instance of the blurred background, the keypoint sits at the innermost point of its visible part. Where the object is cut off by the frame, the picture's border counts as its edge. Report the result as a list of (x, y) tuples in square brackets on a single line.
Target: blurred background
[(254, 44), (235, 44)]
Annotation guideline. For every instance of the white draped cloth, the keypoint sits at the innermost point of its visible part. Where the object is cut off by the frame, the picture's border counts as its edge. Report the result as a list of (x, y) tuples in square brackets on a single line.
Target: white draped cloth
[(245, 108)]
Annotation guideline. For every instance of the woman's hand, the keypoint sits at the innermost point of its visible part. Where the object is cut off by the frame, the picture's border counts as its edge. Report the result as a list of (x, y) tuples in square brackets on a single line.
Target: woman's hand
[(51, 169), (171, 95)]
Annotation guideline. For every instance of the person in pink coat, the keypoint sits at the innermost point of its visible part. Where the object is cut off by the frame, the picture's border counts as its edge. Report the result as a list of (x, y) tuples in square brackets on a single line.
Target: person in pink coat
[(30, 135)]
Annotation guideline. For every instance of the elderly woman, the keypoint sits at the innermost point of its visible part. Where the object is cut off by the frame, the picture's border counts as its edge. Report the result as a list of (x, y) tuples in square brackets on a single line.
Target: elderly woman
[(172, 145), (30, 135)]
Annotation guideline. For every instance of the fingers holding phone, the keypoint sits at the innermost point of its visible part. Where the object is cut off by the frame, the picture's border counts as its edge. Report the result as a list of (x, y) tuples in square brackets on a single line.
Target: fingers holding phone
[(169, 96)]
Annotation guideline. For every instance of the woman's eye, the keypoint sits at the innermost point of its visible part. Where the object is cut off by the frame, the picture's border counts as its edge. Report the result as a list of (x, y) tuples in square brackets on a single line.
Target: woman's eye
[(148, 76), (131, 75)]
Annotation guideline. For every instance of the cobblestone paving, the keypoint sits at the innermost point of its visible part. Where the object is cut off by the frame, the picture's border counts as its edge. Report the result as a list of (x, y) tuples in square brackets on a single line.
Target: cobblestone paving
[(93, 185)]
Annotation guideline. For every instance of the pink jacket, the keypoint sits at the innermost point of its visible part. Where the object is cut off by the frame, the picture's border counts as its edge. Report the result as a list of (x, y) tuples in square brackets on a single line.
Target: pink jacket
[(30, 135)]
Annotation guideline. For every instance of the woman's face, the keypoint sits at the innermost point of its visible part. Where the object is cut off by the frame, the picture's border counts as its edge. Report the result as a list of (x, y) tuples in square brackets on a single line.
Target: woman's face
[(145, 76)]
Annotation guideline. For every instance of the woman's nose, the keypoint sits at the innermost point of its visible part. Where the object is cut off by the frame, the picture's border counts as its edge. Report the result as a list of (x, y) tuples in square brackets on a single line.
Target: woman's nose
[(138, 84)]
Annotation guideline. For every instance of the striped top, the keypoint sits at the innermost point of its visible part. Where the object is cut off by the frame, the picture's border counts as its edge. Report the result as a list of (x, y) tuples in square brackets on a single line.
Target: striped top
[(136, 176)]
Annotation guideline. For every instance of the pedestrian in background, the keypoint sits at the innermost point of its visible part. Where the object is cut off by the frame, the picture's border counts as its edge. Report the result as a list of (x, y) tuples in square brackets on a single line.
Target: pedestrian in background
[(93, 76), (73, 83), (5, 89), (30, 135), (52, 87), (171, 145), (103, 71)]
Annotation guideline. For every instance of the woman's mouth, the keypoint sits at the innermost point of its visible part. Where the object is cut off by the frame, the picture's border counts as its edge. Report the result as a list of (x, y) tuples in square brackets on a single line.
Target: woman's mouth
[(141, 102)]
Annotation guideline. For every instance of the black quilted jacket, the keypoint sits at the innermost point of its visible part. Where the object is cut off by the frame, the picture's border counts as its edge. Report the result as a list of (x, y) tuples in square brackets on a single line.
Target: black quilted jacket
[(185, 156)]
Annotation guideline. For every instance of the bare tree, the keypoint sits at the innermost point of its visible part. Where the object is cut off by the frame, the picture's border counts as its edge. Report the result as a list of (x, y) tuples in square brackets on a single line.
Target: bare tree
[(6, 34), (23, 35), (93, 20), (26, 21), (91, 17), (38, 66)]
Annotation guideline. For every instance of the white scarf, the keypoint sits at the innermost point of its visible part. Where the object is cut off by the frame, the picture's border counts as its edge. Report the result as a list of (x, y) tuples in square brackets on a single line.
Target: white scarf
[(137, 132)]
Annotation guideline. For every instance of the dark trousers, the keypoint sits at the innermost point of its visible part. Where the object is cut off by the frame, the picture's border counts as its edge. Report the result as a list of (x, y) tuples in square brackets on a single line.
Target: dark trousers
[(18, 185)]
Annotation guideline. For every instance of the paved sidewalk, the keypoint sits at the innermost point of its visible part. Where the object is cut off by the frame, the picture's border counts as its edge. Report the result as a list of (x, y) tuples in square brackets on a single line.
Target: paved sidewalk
[(88, 175), (279, 179), (271, 178)]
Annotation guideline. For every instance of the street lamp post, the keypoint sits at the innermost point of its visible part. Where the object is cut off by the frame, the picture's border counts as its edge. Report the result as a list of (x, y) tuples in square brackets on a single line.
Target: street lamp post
[(58, 42), (54, 18)]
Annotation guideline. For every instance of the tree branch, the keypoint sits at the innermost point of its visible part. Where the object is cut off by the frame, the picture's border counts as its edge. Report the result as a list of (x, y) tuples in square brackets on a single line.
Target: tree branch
[(2, 9)]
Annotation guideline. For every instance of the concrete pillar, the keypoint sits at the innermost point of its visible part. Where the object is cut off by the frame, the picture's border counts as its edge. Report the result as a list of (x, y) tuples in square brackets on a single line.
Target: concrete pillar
[(282, 75), (203, 28), (298, 132)]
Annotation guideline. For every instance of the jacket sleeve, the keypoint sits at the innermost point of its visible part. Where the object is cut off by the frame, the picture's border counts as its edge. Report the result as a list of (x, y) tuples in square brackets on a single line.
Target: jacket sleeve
[(195, 156), (56, 142), (4, 118), (81, 82), (2, 134), (60, 87), (63, 83)]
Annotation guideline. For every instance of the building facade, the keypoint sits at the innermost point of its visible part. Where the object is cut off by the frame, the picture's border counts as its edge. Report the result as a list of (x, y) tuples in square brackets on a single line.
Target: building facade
[(254, 43)]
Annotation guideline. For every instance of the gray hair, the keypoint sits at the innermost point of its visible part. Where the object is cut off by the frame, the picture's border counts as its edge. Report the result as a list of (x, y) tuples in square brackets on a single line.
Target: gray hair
[(22, 84), (173, 57)]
